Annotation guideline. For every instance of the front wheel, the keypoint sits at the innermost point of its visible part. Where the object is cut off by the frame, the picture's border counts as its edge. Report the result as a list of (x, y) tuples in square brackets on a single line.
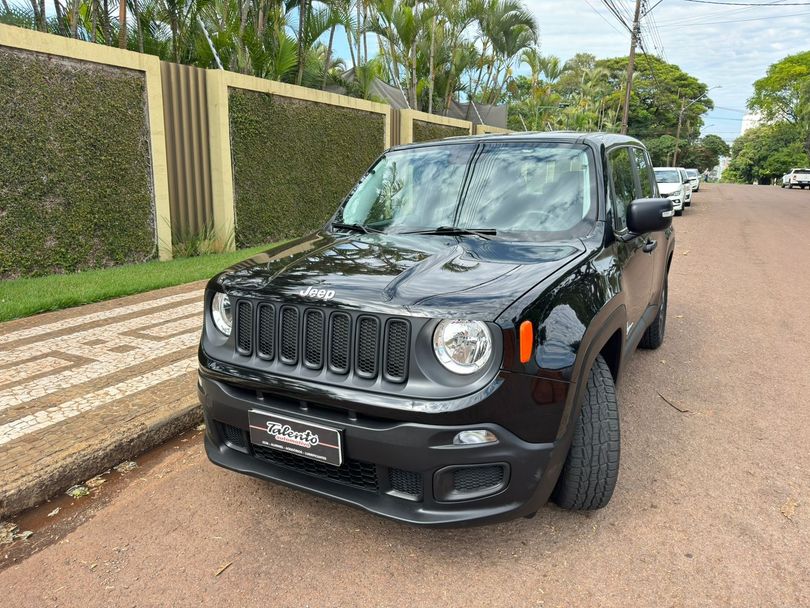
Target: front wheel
[(679, 212), (592, 466)]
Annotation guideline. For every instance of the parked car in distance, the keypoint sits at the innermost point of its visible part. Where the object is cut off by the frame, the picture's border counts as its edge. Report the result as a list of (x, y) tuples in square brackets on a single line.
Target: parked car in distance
[(694, 178), (444, 350), (670, 184), (687, 187), (799, 178)]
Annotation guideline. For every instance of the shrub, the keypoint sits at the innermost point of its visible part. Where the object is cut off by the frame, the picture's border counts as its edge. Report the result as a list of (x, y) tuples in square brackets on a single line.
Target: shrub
[(428, 131), (75, 180), (294, 161)]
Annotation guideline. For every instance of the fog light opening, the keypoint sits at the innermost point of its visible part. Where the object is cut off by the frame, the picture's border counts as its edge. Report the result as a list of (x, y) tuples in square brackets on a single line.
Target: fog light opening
[(474, 437)]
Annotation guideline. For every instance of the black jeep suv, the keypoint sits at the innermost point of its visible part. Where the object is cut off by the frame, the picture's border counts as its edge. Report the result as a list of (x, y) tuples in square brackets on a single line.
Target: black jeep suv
[(445, 349)]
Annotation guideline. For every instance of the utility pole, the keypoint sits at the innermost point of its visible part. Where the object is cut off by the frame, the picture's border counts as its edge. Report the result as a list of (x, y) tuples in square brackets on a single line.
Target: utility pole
[(631, 66), (685, 106), (678, 133)]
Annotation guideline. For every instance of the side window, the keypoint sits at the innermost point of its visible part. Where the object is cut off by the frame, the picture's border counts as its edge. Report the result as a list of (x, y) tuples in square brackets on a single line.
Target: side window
[(622, 184), (645, 173)]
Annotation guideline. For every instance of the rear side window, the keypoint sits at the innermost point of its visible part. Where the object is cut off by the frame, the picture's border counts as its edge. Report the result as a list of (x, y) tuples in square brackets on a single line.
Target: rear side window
[(646, 177), (622, 184)]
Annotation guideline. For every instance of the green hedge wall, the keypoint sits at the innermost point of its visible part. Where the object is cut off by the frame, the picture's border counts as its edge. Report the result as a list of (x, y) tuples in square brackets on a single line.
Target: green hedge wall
[(294, 161), (75, 179), (428, 131)]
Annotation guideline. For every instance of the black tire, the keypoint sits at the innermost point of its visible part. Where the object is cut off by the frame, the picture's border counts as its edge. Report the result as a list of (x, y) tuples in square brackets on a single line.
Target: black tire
[(592, 466), (654, 335), (679, 212)]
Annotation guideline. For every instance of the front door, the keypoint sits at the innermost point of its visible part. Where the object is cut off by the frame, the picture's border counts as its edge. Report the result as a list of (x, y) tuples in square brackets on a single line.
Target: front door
[(635, 264)]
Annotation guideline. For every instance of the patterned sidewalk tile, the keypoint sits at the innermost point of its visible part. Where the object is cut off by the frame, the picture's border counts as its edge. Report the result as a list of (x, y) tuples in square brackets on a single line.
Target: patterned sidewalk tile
[(85, 388)]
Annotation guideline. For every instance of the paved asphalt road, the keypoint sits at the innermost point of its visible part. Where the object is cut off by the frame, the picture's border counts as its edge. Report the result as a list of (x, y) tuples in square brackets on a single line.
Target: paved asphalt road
[(712, 505)]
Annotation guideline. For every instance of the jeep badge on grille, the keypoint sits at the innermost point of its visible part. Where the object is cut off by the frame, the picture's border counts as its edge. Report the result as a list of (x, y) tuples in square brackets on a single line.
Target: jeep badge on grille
[(321, 294)]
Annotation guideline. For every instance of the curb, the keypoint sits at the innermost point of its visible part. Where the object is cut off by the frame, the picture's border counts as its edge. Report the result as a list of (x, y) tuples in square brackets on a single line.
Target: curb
[(94, 458)]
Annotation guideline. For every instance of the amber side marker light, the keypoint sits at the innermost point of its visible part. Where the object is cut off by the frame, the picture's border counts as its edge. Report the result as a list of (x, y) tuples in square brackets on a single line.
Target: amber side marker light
[(526, 341)]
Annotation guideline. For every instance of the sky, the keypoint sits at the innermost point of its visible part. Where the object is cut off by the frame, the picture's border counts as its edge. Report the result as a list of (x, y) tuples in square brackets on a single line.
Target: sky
[(725, 46)]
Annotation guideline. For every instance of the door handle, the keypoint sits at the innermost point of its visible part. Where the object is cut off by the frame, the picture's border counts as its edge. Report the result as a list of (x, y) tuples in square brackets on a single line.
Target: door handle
[(650, 245)]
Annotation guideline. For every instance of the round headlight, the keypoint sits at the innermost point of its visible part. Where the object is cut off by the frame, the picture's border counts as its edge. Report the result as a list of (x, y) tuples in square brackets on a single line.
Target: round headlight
[(463, 347), (221, 313)]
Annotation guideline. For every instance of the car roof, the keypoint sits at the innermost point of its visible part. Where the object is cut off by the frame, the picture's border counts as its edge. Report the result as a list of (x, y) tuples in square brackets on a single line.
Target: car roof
[(569, 137)]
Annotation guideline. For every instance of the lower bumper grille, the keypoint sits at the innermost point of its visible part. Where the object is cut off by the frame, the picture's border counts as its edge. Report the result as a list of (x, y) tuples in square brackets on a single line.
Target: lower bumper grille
[(406, 482), (472, 479), (355, 473)]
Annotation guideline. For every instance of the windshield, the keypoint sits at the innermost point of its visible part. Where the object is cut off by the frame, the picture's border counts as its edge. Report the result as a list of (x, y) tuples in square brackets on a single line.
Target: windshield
[(692, 172), (507, 187), (667, 176)]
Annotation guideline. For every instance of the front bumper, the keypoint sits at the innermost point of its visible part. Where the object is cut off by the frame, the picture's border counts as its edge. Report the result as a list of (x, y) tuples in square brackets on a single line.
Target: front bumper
[(405, 471)]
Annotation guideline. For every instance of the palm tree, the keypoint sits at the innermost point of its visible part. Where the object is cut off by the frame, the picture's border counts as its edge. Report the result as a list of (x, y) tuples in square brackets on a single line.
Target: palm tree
[(303, 7)]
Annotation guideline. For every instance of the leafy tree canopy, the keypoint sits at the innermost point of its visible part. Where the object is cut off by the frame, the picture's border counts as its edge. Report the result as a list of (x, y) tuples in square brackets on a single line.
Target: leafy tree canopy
[(765, 153), (660, 90), (784, 92)]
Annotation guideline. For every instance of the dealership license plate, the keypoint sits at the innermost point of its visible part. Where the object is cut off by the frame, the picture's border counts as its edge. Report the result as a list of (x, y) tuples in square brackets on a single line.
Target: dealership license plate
[(297, 437)]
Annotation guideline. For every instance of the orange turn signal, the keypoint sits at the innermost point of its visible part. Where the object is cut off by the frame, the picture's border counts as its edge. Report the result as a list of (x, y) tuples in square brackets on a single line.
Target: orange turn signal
[(526, 341)]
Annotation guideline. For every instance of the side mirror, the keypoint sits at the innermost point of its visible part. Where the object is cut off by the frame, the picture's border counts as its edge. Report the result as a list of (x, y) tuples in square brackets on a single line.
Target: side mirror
[(649, 215)]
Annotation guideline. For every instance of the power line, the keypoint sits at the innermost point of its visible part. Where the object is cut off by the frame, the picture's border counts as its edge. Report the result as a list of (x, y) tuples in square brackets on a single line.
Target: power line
[(615, 12), (602, 17), (765, 5), (716, 13)]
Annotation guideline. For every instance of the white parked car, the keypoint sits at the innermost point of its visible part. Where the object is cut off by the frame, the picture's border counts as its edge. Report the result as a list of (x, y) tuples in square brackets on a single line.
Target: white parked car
[(800, 178), (671, 186), (687, 187), (694, 177)]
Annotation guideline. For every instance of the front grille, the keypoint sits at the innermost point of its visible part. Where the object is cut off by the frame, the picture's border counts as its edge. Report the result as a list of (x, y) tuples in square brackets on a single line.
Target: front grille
[(397, 339), (340, 338), (471, 479), (244, 324), (266, 345), (364, 345), (368, 330), (355, 473), (406, 482), (289, 335), (313, 338)]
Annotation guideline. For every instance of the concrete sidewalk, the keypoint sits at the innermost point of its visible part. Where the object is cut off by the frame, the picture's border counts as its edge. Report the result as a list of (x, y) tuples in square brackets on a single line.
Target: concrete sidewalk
[(85, 388)]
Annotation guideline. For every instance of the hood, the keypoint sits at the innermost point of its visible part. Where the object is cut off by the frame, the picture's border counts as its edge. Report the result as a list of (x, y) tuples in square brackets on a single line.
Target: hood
[(669, 189), (400, 274)]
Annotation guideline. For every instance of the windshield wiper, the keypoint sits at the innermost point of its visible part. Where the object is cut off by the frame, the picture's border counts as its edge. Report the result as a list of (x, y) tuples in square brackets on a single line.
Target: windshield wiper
[(354, 227), (484, 233)]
